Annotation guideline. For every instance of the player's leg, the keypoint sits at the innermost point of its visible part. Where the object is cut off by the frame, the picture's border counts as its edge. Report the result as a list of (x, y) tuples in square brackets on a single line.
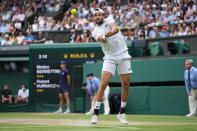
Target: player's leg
[(109, 67), (67, 98), (106, 101), (125, 83), (99, 97), (93, 102), (124, 70), (61, 102), (104, 82)]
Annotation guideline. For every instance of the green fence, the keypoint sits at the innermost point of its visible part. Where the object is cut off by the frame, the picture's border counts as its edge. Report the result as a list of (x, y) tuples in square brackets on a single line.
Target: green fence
[(163, 100), (150, 70)]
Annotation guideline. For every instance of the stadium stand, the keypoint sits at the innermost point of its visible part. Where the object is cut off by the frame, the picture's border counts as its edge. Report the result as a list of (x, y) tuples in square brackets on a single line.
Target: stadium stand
[(139, 19)]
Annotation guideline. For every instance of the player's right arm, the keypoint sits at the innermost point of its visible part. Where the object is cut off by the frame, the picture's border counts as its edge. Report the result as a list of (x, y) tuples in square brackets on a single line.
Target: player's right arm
[(114, 30)]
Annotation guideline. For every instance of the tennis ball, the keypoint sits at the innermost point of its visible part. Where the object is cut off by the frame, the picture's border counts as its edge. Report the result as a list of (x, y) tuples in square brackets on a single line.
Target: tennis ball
[(118, 27), (73, 11)]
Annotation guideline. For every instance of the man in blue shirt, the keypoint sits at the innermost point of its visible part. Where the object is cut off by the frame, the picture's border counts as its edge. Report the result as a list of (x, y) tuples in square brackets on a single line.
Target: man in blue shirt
[(64, 84), (29, 38), (190, 77), (93, 86)]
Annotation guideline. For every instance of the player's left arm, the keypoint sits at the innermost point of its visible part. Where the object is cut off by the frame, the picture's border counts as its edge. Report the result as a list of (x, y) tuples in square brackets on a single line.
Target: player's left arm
[(114, 29)]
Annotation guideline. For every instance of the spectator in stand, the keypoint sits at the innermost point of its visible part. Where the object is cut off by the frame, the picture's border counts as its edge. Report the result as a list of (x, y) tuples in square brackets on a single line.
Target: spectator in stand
[(164, 32), (194, 28), (40, 38), (35, 26), (44, 28), (29, 39), (18, 25), (62, 27), (29, 12), (53, 6), (42, 20), (173, 31), (78, 39), (3, 28), (180, 31), (12, 38), (23, 94), (6, 15), (86, 26), (20, 39), (12, 28), (130, 14), (29, 29), (1, 37), (6, 94), (86, 34), (5, 40), (82, 20)]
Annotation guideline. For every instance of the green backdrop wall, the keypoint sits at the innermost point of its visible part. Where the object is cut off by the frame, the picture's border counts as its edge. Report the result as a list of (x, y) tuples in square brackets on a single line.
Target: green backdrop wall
[(163, 100), (150, 70)]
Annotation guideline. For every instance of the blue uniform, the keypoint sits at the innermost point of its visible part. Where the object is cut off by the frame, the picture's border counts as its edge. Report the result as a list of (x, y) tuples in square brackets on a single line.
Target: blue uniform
[(63, 83), (93, 86), (193, 79)]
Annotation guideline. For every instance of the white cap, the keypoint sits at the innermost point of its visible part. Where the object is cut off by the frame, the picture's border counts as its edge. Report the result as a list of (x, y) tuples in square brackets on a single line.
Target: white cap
[(98, 10)]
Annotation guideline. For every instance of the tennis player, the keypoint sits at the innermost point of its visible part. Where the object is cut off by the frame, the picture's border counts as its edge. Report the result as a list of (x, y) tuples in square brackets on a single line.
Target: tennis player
[(116, 56)]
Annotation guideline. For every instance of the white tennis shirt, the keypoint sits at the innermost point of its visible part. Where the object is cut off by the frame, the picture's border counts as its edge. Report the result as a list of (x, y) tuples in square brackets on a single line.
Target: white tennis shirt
[(115, 48)]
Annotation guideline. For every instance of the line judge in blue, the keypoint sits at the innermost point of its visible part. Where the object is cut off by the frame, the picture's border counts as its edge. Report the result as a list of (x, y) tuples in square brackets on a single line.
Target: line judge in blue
[(64, 84), (93, 84), (190, 77)]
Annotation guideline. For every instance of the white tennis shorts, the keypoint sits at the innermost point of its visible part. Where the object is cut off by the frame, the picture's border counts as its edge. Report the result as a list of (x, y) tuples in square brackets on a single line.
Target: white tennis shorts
[(123, 66)]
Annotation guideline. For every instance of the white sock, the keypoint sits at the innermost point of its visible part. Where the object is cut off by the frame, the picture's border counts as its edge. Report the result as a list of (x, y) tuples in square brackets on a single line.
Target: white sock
[(60, 108), (97, 105), (68, 109), (123, 104)]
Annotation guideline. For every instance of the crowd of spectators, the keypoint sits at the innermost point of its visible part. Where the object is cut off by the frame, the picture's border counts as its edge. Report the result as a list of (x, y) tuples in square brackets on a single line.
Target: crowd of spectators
[(139, 19)]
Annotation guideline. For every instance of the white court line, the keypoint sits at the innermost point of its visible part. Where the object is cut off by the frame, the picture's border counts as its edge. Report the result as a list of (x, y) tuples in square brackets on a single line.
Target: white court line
[(132, 128), (107, 128), (7, 127)]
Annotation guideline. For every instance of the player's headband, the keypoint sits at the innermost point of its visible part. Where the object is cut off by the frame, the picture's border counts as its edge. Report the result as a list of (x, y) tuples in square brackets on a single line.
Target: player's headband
[(98, 10)]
